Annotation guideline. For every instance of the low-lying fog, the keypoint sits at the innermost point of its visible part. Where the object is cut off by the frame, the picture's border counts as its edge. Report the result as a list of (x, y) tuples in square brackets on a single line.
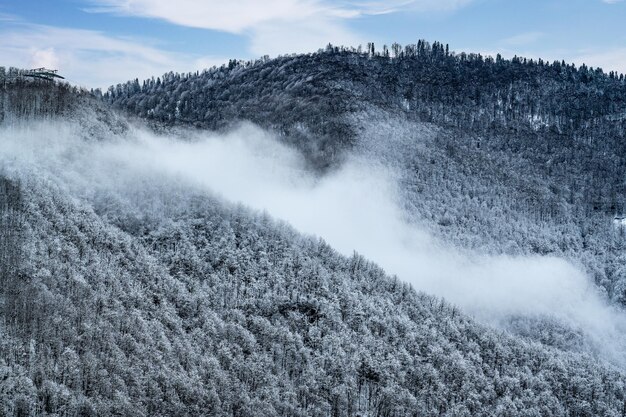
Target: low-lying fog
[(354, 208)]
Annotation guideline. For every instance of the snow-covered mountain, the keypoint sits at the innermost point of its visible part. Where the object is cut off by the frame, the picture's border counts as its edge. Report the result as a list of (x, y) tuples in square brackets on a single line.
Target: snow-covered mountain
[(185, 245)]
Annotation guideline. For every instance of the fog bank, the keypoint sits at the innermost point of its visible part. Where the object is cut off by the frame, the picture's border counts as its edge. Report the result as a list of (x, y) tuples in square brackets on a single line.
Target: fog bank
[(354, 208)]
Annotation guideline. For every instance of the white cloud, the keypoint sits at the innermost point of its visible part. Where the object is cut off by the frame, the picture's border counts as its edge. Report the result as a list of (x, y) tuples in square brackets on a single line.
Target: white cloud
[(236, 16), (44, 58), (274, 26), (91, 58), (306, 36), (436, 5), (230, 16)]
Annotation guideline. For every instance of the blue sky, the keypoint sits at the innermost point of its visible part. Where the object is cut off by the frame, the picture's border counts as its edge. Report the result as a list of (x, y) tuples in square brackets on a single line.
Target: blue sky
[(96, 43)]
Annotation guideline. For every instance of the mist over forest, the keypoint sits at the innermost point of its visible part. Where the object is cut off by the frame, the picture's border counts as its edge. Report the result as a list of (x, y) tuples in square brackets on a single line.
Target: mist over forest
[(346, 233)]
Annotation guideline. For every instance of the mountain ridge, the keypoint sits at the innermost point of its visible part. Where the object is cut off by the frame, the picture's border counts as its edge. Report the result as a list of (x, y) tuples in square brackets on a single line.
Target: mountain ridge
[(546, 140)]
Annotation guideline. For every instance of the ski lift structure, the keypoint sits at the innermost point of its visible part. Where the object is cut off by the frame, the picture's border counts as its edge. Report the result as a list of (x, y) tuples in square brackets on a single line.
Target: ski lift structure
[(43, 74)]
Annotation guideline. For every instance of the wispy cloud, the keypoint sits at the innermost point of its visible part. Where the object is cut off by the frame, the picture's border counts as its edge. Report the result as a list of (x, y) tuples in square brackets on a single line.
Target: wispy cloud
[(239, 15), (273, 26), (301, 36), (229, 16), (90, 58), (7, 17)]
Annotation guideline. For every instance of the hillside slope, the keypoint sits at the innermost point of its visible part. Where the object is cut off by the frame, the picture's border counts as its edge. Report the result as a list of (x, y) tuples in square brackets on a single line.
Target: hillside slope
[(140, 294), (25, 99), (500, 156)]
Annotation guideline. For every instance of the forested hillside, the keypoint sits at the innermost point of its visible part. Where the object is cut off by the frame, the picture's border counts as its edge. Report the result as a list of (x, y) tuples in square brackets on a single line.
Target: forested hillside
[(127, 289), (504, 156), (24, 99), (142, 295), (311, 93)]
